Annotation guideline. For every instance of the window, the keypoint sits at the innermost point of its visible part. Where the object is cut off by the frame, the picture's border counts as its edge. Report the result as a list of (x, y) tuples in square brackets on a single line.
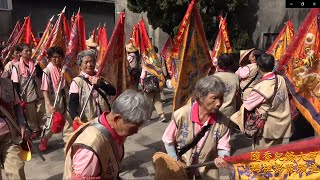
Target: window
[(6, 5), (268, 39)]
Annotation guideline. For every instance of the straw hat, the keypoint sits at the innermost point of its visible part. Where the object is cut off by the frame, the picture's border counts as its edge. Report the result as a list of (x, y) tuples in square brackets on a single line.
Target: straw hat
[(244, 53), (131, 48), (91, 43), (168, 168)]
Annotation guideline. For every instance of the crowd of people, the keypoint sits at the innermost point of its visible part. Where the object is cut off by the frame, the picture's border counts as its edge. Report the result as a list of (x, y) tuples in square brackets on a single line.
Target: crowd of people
[(253, 99)]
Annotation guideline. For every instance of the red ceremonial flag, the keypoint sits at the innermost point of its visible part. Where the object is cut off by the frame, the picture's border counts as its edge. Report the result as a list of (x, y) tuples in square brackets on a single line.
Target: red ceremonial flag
[(166, 54), (58, 35), (297, 160), (24, 36), (191, 49), (281, 43), (66, 26), (222, 43), (103, 43), (39, 54), (14, 32), (134, 38), (301, 68), (150, 61), (76, 44), (114, 64)]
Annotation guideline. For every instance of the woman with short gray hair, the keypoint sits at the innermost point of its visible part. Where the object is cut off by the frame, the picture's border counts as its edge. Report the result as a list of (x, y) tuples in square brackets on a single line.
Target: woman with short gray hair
[(132, 106), (80, 91), (103, 138), (201, 116)]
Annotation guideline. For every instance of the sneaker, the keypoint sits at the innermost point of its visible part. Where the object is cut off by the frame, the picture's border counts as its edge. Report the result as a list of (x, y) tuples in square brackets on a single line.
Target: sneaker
[(43, 144), (162, 119)]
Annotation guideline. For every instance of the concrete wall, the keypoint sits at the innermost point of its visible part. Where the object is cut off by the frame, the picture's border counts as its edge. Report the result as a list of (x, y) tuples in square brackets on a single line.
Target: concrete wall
[(41, 11), (268, 16), (5, 28), (159, 37)]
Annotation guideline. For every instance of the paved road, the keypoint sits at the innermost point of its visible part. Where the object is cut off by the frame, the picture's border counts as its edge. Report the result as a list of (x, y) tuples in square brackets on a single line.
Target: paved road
[(139, 150)]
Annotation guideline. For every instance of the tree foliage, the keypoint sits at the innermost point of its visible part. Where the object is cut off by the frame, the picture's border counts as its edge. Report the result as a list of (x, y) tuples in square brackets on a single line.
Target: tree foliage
[(167, 14)]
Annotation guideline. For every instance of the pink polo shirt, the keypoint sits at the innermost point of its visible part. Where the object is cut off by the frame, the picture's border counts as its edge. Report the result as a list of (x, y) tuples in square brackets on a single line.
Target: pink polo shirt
[(85, 162), (4, 129), (169, 135), (255, 99)]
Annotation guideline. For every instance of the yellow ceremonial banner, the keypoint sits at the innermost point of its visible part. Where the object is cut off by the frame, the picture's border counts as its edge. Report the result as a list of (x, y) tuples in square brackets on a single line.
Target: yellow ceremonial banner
[(301, 68), (280, 45), (298, 160), (191, 49), (222, 43)]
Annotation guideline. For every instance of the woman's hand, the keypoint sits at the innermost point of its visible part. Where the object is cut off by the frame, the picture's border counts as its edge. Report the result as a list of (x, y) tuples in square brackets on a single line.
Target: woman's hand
[(220, 163), (24, 132), (51, 108), (94, 80)]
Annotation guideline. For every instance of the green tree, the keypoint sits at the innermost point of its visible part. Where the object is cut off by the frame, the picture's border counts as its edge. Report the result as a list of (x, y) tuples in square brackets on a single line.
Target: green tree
[(167, 14)]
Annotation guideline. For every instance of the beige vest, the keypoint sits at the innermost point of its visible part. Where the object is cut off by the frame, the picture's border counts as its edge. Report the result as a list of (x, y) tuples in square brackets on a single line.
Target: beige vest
[(90, 111), (7, 95), (185, 135), (231, 81), (253, 70), (91, 137), (30, 94), (8, 68), (278, 123), (63, 97)]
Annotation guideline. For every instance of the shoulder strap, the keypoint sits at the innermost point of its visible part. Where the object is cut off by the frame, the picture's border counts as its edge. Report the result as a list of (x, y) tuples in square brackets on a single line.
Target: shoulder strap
[(98, 90), (195, 141), (250, 82), (107, 135)]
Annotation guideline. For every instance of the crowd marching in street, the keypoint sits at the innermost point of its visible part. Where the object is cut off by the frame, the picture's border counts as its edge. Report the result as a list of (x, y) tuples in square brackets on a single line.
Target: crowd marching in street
[(95, 119)]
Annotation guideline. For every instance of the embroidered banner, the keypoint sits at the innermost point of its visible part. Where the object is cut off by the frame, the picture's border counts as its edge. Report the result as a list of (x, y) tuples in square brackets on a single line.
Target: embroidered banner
[(191, 49), (39, 54), (281, 43), (134, 38), (103, 42), (76, 44), (114, 65), (166, 54), (149, 58), (222, 43), (14, 32), (300, 65), (298, 160)]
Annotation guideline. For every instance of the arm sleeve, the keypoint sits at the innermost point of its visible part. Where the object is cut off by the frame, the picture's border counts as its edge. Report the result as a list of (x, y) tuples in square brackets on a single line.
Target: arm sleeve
[(39, 71), (243, 72), (14, 75), (16, 86), (223, 143), (107, 88), (45, 82), (18, 110), (85, 163), (253, 101), (73, 105)]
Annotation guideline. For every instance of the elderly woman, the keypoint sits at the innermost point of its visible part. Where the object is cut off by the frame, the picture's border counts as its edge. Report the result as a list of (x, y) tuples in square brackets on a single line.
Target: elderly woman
[(202, 116), (248, 70), (95, 151), (270, 99), (80, 90), (13, 58), (50, 83)]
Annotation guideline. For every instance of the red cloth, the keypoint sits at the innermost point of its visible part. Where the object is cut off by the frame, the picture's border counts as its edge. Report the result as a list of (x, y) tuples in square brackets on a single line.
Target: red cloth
[(57, 122)]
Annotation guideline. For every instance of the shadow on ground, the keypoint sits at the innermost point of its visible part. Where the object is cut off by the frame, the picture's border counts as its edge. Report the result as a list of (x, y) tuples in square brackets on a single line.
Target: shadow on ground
[(134, 161)]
